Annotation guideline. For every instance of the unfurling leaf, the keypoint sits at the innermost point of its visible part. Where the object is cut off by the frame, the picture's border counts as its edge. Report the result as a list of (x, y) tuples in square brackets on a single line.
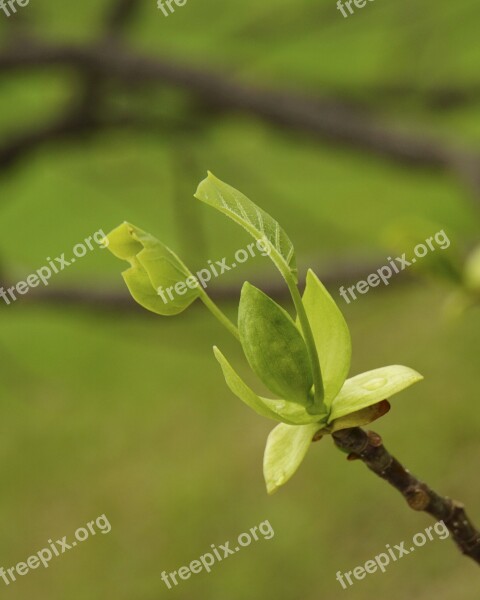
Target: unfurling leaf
[(154, 269), (279, 410), (256, 221), (286, 448), (371, 387), (274, 347), (331, 336)]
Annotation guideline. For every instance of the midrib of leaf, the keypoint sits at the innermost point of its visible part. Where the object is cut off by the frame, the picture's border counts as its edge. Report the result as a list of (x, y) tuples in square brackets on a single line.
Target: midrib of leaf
[(265, 226)]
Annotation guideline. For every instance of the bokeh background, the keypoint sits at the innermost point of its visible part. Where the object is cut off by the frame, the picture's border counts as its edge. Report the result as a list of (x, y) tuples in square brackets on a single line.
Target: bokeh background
[(340, 128)]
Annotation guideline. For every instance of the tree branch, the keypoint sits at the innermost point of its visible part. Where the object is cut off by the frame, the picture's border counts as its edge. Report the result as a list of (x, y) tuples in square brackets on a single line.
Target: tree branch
[(78, 122), (368, 447), (81, 116), (437, 98), (88, 296), (119, 15), (323, 118)]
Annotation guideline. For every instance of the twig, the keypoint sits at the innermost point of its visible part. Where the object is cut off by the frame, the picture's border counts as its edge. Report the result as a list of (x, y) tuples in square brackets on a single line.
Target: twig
[(368, 447)]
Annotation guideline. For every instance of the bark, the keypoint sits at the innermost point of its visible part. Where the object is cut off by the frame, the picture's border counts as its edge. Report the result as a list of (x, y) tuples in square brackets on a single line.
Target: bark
[(368, 447)]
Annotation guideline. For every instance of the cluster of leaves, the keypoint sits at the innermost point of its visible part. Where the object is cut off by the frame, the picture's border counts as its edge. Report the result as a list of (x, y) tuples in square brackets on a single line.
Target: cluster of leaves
[(304, 362)]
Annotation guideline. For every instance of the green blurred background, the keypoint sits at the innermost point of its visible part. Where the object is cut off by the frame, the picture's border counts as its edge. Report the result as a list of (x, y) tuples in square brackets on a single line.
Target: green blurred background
[(108, 409)]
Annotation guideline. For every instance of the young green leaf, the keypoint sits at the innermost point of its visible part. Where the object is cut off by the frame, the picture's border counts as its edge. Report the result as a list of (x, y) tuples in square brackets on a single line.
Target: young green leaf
[(154, 269), (286, 447), (256, 221), (371, 387), (274, 347), (331, 336), (279, 410)]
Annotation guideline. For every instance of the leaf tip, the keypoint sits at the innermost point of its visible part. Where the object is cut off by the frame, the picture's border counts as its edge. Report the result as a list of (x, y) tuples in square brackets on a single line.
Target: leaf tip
[(271, 488), (248, 290), (247, 286), (209, 178), (416, 376)]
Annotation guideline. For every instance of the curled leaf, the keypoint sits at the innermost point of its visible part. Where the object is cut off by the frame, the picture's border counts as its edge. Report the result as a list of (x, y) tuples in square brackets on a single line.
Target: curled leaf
[(157, 279)]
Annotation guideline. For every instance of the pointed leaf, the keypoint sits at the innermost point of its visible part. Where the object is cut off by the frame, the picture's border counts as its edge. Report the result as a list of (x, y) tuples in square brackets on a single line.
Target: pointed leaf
[(361, 417), (286, 447), (331, 335), (154, 269), (279, 410), (371, 387), (274, 347), (256, 221)]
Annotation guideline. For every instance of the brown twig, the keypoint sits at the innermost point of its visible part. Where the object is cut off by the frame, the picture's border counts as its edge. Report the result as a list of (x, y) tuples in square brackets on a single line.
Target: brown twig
[(368, 447)]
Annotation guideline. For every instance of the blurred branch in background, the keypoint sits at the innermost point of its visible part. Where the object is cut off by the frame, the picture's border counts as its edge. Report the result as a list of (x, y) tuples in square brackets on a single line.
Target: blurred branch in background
[(119, 15), (106, 68), (435, 98), (108, 61), (323, 118), (338, 273)]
